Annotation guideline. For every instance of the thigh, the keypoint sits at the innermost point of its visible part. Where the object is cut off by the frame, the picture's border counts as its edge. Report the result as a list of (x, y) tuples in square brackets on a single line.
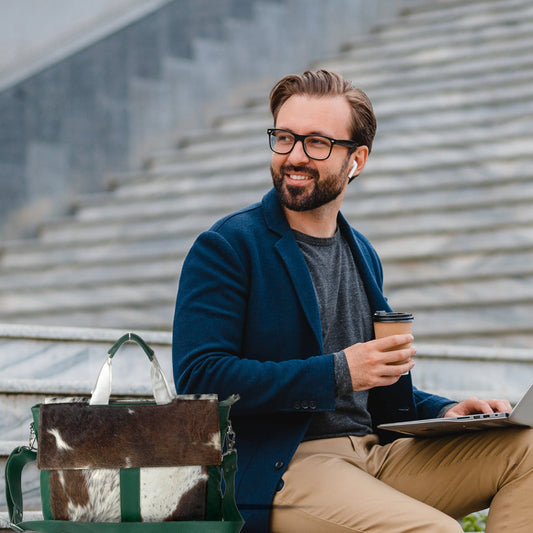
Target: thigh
[(326, 491), (456, 474)]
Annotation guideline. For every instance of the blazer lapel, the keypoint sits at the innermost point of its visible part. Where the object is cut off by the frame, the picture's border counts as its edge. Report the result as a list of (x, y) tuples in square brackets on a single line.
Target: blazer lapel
[(374, 290), (289, 252), (294, 262)]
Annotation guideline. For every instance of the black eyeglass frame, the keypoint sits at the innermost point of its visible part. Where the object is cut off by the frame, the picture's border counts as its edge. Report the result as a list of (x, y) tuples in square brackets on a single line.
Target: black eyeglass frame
[(341, 142)]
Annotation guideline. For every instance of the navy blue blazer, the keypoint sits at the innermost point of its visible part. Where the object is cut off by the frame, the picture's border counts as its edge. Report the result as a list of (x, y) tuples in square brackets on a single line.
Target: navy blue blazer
[(247, 322)]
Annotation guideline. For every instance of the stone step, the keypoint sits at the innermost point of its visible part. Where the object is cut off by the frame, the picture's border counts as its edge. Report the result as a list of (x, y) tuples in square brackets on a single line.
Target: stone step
[(179, 204), (57, 359), (140, 298), (455, 19), (493, 265), (165, 270), (149, 315), (128, 222), (401, 270), (38, 255), (385, 217), (421, 248), (50, 301), (431, 49), (387, 140), (493, 326), (155, 185), (447, 112), (167, 217), (381, 43), (459, 294), (427, 129), (474, 211)]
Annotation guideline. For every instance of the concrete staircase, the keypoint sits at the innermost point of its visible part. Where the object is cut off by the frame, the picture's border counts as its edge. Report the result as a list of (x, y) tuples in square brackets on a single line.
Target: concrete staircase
[(445, 197)]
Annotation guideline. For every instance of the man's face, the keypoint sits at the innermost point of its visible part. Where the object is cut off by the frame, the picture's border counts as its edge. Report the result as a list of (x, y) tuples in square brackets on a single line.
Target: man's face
[(303, 183)]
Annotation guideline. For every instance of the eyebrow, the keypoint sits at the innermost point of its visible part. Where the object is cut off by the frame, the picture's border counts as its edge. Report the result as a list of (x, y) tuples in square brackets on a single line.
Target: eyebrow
[(320, 133)]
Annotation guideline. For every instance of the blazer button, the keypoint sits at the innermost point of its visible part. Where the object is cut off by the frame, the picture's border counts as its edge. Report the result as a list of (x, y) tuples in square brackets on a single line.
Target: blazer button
[(305, 405), (279, 465), (312, 404), (280, 485), (297, 405)]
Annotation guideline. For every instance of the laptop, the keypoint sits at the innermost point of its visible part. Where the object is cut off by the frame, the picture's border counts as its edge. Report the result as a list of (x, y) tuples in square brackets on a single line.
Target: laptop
[(521, 415)]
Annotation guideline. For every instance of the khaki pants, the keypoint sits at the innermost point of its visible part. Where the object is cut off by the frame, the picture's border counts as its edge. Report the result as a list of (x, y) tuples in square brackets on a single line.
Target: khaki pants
[(411, 485)]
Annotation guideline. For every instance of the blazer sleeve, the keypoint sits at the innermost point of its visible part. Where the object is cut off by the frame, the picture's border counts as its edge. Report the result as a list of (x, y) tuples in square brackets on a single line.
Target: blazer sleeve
[(209, 325), (429, 405)]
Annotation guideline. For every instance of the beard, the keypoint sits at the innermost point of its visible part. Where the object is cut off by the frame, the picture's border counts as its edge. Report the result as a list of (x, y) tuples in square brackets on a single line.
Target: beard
[(321, 191)]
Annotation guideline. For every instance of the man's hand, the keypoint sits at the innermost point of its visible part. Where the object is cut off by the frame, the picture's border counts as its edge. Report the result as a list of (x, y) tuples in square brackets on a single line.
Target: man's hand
[(475, 405), (377, 363)]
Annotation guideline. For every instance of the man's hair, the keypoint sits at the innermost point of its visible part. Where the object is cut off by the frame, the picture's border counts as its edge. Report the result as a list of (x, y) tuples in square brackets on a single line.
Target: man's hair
[(327, 83)]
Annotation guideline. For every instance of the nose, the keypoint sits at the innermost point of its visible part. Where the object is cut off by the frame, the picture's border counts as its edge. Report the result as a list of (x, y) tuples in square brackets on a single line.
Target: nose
[(297, 153)]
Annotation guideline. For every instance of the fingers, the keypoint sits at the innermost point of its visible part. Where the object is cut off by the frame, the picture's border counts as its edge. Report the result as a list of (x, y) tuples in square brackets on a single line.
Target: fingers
[(475, 405), (370, 365), (397, 369), (500, 406), (492, 406), (393, 342)]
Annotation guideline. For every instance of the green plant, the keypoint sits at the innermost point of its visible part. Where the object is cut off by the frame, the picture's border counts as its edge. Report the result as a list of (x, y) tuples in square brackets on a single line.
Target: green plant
[(475, 521)]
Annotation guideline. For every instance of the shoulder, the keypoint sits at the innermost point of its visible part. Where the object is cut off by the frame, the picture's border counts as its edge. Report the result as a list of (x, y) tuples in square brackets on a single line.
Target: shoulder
[(241, 221), (243, 236), (257, 221)]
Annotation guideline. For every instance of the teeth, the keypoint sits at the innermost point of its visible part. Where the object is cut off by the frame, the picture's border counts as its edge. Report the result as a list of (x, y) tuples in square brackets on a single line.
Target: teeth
[(298, 177)]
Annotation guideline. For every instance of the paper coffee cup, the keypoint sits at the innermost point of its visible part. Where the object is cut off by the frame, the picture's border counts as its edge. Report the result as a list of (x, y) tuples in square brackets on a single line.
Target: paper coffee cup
[(388, 323)]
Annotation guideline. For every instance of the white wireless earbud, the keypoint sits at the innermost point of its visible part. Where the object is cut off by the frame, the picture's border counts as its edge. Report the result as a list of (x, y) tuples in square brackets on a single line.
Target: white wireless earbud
[(354, 168)]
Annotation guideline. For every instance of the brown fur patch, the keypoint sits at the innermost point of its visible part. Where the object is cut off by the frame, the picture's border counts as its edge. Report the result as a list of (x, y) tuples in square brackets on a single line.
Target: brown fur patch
[(191, 505), (78, 436)]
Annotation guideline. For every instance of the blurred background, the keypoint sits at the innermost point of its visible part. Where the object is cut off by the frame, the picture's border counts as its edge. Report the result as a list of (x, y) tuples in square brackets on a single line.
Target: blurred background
[(129, 126)]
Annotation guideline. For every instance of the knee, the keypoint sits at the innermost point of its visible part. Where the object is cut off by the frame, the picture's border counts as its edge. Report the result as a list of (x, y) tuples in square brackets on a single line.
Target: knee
[(516, 448), (520, 445)]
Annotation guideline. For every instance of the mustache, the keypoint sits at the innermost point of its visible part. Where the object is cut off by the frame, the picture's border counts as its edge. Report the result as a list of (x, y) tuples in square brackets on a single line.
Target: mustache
[(288, 169)]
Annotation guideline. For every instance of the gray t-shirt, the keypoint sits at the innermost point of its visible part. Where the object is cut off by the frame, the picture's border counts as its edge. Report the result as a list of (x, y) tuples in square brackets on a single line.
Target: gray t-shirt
[(346, 319)]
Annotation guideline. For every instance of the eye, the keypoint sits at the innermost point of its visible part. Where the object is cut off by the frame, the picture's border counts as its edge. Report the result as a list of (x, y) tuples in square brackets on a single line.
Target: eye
[(284, 138), (318, 142)]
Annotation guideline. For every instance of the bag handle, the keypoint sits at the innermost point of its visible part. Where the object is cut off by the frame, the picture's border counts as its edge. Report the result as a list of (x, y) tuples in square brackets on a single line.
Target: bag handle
[(16, 461), (102, 389)]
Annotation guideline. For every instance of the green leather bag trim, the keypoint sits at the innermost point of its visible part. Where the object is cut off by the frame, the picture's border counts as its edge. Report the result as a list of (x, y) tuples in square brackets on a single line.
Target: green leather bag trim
[(16, 461), (57, 526), (213, 509), (45, 495), (130, 494)]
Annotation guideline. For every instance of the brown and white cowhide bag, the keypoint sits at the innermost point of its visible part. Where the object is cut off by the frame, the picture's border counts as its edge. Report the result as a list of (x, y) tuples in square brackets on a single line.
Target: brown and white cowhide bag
[(85, 446)]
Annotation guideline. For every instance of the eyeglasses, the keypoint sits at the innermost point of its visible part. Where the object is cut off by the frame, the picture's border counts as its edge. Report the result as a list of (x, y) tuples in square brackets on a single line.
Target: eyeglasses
[(315, 146)]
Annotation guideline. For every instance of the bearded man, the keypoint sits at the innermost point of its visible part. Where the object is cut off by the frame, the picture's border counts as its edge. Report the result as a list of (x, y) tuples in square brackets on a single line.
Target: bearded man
[(275, 303)]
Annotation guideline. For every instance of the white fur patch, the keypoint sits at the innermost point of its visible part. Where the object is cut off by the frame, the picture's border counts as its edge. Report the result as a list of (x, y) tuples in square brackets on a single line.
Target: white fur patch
[(163, 488), (103, 488), (215, 440), (60, 443)]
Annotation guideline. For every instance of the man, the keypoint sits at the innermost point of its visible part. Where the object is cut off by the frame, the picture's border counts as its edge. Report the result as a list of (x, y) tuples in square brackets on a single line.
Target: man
[(275, 303)]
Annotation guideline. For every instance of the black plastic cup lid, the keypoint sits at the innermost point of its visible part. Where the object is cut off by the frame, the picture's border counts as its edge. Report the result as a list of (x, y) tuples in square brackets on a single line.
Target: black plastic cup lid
[(391, 316)]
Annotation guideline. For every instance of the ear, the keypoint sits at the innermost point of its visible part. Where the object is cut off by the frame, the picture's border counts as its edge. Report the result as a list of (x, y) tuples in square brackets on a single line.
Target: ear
[(358, 162)]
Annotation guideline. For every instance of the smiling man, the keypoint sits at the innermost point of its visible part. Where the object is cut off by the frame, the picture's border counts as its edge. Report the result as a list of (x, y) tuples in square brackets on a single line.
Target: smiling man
[(275, 303)]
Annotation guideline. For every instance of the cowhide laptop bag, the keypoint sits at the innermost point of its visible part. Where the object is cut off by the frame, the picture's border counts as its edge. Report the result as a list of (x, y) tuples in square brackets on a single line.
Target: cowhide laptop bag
[(128, 465)]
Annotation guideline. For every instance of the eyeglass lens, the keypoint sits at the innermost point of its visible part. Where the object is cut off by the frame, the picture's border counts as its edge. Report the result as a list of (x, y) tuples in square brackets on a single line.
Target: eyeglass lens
[(315, 146)]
